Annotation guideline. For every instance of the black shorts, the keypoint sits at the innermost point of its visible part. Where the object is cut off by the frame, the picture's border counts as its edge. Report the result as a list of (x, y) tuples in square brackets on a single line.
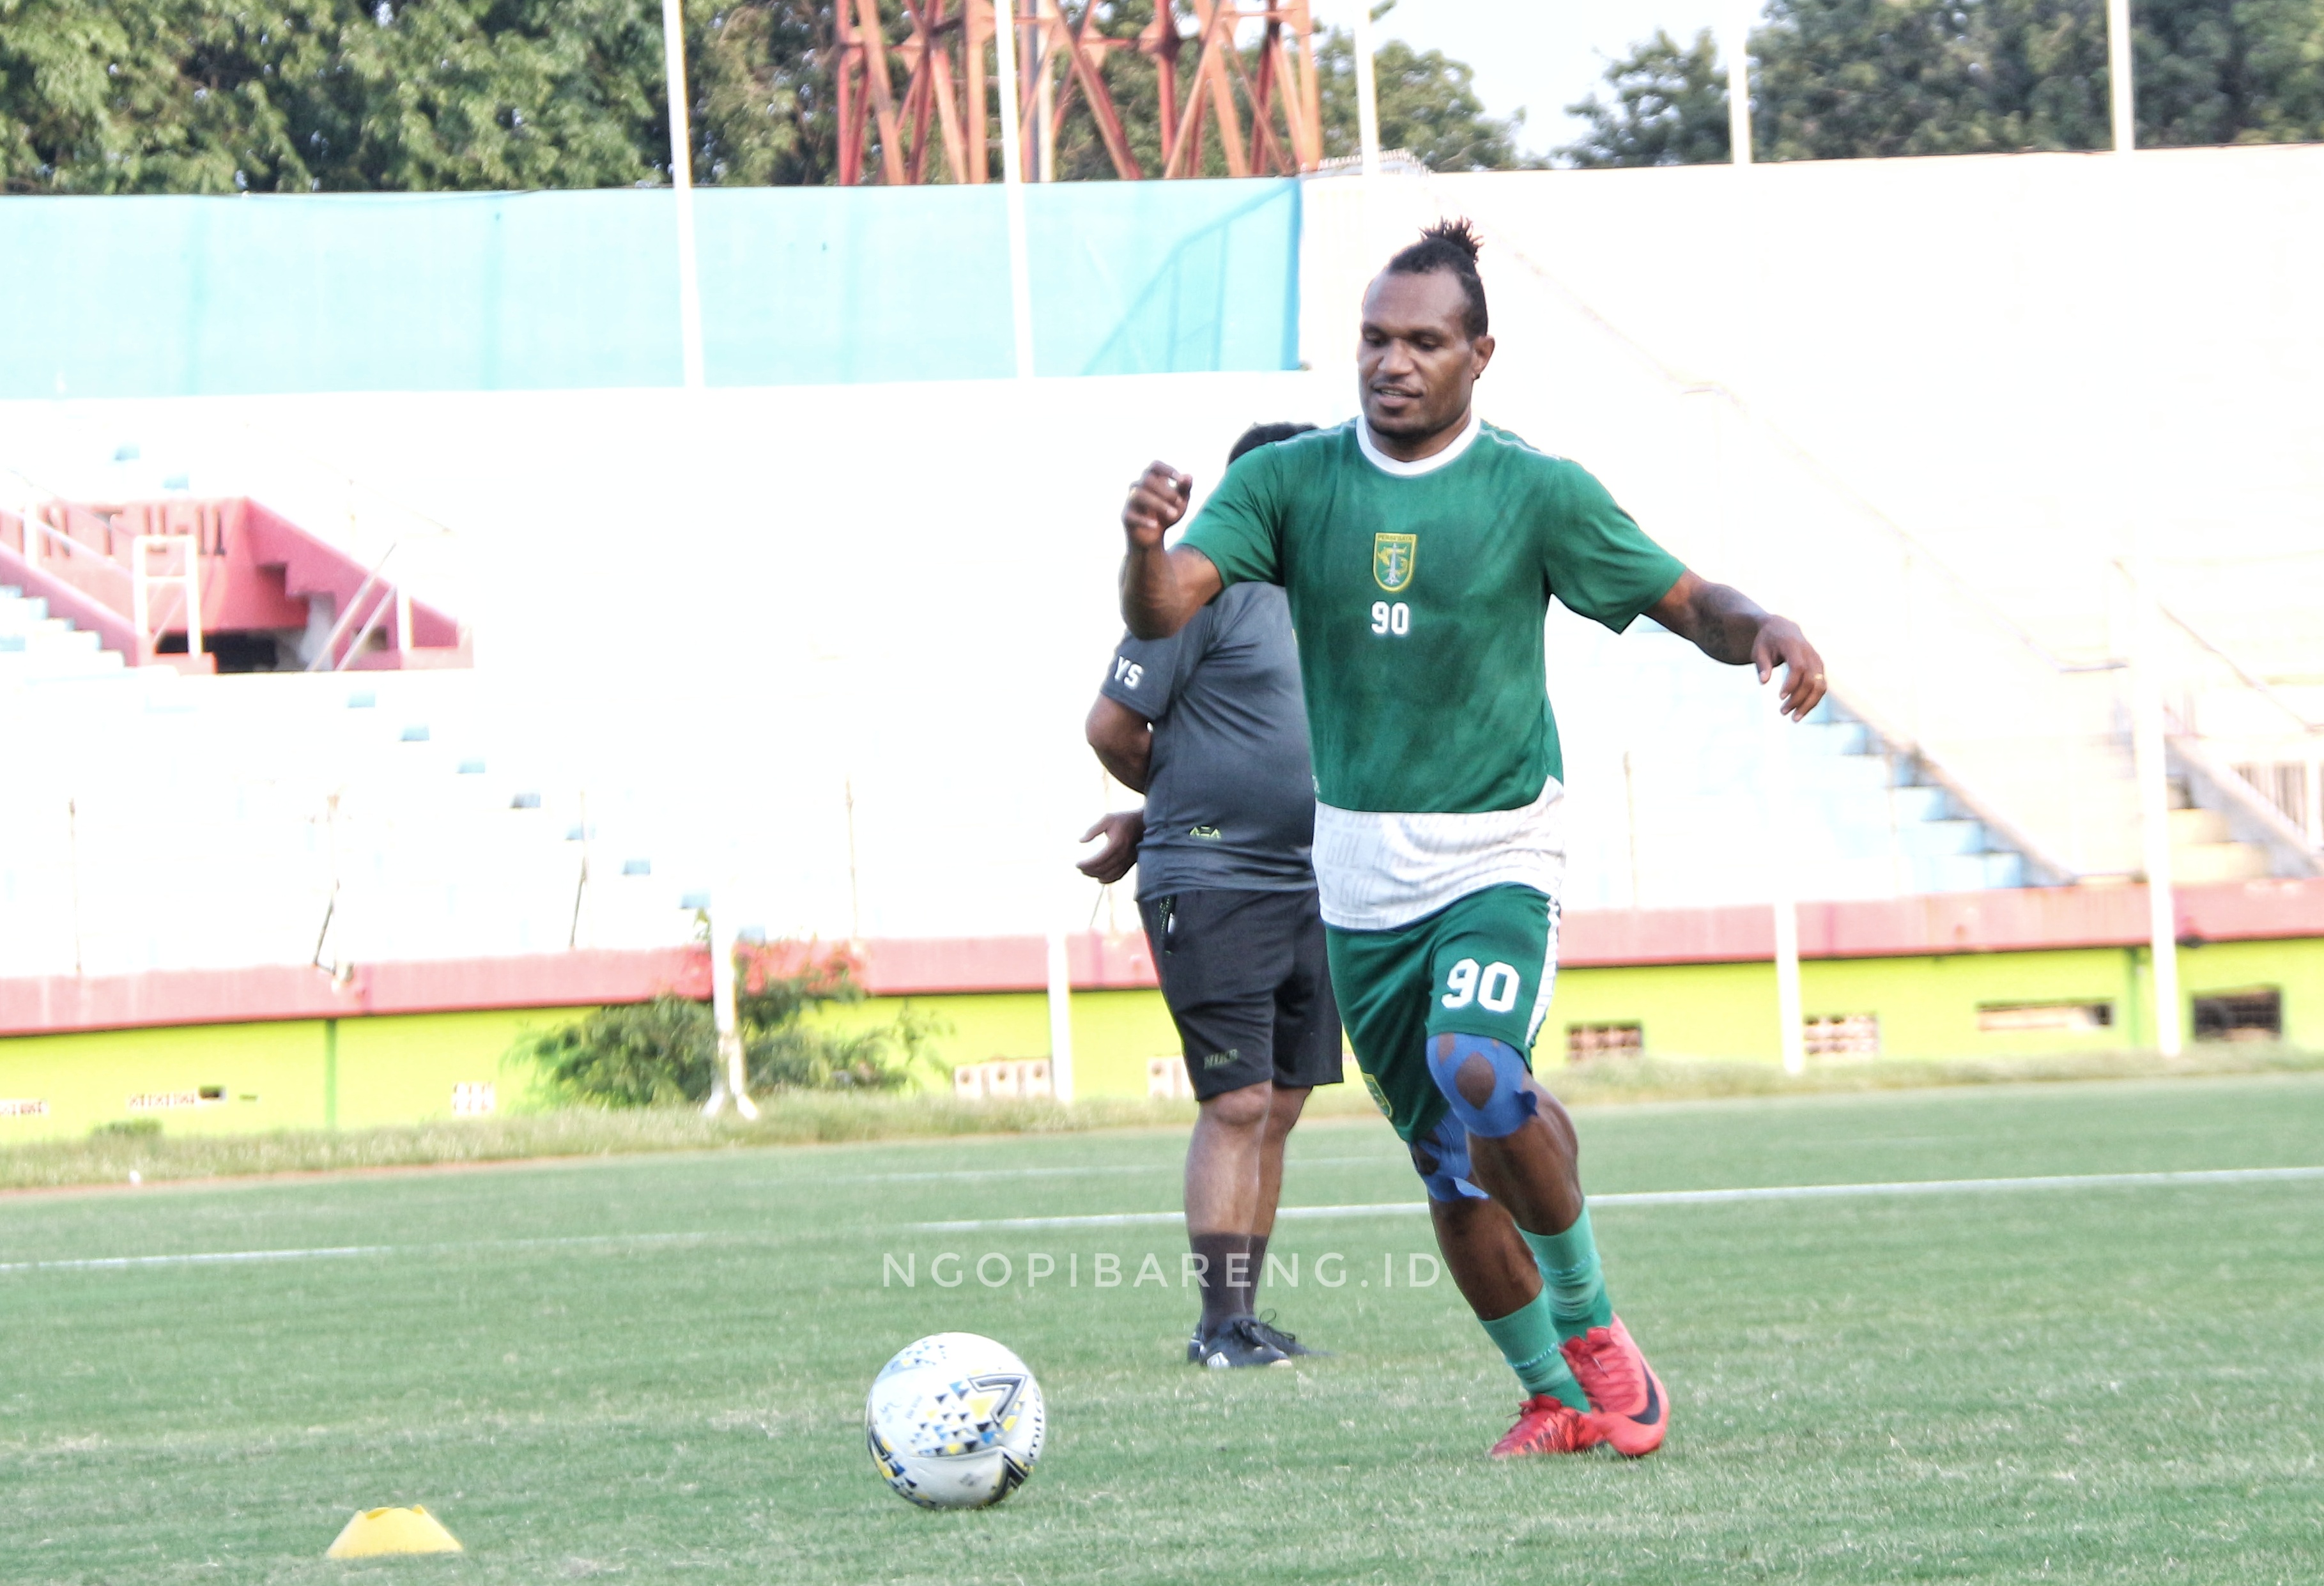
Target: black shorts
[(1247, 987)]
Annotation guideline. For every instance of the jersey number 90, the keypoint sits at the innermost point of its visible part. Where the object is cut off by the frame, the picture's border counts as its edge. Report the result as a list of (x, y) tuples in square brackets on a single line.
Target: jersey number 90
[(1391, 619)]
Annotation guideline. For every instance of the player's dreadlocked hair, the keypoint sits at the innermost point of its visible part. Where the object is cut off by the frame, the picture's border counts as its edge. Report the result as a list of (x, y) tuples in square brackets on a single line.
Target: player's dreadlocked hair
[(1450, 245)]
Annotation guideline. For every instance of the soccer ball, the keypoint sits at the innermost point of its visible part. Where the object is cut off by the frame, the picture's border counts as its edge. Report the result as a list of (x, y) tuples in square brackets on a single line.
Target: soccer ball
[(955, 1422)]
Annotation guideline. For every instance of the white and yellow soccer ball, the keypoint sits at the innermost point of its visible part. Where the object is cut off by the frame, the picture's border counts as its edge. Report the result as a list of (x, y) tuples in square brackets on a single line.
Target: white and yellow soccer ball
[(955, 1422)]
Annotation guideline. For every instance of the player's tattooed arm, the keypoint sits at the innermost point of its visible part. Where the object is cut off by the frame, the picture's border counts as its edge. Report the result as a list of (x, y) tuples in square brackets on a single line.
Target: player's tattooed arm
[(1161, 590), (1728, 626)]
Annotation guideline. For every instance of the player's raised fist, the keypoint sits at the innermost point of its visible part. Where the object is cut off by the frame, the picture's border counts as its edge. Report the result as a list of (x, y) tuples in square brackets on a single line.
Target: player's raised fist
[(1157, 500)]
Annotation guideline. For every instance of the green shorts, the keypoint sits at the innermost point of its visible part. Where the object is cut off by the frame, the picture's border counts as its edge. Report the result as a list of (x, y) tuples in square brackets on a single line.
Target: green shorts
[(1481, 965)]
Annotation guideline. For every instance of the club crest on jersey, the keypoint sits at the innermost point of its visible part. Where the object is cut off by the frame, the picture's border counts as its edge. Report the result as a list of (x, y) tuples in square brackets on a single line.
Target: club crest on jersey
[(1392, 558)]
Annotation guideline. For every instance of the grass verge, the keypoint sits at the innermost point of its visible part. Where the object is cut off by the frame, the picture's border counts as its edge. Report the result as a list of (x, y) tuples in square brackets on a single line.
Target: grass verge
[(812, 1118)]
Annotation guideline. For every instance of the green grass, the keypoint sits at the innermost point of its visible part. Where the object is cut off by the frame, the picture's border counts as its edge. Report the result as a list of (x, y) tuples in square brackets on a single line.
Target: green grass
[(810, 1118), (114, 1151), (2089, 1384)]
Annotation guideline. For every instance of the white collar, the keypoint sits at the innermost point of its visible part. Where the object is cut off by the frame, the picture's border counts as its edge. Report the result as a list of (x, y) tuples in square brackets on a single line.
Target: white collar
[(1429, 465)]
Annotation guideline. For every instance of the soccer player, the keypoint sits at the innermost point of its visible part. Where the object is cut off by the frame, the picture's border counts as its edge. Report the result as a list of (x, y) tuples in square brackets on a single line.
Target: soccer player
[(1420, 548), (1208, 724)]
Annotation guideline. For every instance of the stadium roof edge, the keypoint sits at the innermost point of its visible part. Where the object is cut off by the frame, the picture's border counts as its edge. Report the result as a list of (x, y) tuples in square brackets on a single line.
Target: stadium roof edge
[(2022, 920)]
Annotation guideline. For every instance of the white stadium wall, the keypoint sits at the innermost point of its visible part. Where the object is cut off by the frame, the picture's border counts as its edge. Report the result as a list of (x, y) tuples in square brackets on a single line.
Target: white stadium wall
[(2016, 356), (1926, 405), (718, 613)]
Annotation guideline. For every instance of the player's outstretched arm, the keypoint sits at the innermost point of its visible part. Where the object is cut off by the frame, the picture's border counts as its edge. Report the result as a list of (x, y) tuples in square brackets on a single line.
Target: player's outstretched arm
[(1161, 590), (1727, 625)]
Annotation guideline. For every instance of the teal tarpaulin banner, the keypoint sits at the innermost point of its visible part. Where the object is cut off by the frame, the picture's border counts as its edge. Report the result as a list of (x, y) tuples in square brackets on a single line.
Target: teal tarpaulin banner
[(141, 297)]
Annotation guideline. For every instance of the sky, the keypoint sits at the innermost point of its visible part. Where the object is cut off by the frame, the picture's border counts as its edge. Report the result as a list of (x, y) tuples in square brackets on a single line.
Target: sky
[(1535, 55)]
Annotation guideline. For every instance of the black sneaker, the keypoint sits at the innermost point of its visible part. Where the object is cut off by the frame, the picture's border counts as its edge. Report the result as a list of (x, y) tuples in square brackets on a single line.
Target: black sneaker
[(1235, 1342), (1288, 1343)]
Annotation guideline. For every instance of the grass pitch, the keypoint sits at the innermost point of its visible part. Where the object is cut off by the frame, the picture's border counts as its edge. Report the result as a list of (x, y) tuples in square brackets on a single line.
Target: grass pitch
[(652, 1368)]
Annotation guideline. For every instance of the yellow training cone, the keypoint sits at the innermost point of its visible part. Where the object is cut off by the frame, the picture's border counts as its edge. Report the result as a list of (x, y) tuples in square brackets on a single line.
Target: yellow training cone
[(377, 1531)]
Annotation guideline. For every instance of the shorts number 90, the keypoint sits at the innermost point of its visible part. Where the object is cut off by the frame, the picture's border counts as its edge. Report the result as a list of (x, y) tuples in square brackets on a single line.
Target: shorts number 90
[(1492, 987)]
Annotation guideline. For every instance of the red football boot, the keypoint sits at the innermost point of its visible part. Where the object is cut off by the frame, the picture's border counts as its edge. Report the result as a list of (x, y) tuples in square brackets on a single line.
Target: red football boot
[(1626, 1396), (1545, 1426)]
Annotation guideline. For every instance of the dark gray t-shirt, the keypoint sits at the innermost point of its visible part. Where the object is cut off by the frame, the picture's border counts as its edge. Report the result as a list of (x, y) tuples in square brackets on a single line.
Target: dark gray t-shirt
[(1230, 795)]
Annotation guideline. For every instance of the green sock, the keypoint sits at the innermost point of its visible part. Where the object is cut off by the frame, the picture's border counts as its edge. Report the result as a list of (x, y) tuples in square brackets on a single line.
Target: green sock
[(1571, 1277), (1528, 1340)]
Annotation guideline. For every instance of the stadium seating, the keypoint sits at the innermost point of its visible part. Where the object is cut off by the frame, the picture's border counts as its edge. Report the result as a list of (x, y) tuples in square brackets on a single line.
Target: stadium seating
[(36, 645), (863, 713), (1950, 500), (193, 822), (190, 821), (1673, 787)]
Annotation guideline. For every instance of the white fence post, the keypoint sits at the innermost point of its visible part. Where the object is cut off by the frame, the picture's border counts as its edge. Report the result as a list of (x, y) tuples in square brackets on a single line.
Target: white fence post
[(1738, 82), (1061, 1018), (140, 599), (2122, 94), (1012, 187), (681, 183), (1781, 890), (191, 545), (2154, 803), (730, 1080), (1367, 99)]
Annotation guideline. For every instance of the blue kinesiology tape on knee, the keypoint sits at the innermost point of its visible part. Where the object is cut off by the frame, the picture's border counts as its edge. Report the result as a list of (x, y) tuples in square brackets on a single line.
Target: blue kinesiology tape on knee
[(1506, 1107), (1441, 1157)]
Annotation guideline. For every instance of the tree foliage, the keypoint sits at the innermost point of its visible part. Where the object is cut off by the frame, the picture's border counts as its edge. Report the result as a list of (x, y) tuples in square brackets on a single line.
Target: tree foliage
[(764, 108), (1669, 107), (1836, 80), (1428, 107), (665, 1053), (354, 95), (2251, 72), (295, 96)]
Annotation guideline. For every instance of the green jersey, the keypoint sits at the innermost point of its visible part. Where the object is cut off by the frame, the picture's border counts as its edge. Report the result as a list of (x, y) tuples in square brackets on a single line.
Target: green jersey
[(1418, 591)]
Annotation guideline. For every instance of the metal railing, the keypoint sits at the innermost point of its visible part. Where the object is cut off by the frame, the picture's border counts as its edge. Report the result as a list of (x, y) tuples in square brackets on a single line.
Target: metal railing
[(42, 542), (187, 580), (329, 659), (330, 490)]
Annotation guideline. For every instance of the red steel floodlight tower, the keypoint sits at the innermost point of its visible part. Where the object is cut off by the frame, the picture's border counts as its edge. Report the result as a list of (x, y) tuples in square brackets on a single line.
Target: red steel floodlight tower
[(1064, 59)]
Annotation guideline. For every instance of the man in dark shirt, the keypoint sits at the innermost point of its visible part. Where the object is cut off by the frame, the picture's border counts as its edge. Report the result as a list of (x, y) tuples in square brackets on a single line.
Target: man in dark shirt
[(1211, 725)]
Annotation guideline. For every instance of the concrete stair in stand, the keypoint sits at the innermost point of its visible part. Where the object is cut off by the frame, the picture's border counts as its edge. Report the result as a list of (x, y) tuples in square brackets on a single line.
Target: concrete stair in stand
[(272, 593), (2201, 848), (37, 647)]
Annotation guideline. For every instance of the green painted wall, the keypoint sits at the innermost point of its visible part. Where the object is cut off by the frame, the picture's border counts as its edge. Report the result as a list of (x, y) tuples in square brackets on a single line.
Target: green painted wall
[(1114, 1035), (1928, 1006), (270, 1076), (1114, 1032), (397, 1070), (965, 1029), (355, 1073)]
